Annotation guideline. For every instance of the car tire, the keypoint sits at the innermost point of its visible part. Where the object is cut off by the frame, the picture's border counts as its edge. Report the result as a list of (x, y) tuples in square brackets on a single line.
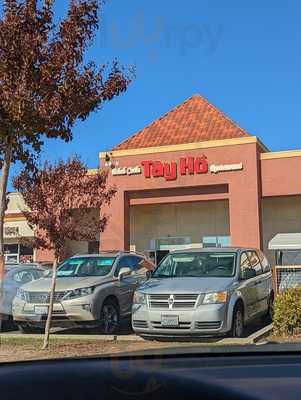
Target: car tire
[(270, 312), (109, 317), (238, 326)]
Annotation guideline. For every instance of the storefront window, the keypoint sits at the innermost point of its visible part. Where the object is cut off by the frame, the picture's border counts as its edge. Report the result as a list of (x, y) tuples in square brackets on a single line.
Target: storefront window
[(216, 241), (15, 253)]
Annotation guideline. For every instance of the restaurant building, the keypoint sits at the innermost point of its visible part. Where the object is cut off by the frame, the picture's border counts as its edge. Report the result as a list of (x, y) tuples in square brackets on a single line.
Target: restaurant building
[(192, 178), (195, 178)]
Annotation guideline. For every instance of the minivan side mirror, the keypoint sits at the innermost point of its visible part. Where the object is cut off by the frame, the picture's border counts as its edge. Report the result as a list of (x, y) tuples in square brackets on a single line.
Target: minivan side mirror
[(248, 273), (124, 271)]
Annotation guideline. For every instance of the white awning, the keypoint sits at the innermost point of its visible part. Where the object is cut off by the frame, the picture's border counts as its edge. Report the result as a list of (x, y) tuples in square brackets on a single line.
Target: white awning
[(17, 229), (286, 241)]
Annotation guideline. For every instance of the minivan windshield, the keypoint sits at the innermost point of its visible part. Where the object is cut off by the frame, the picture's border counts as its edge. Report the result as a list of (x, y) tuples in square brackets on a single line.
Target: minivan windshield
[(199, 265), (86, 266)]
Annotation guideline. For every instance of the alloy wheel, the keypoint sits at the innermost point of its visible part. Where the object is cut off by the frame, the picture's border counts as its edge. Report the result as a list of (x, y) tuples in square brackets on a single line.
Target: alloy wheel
[(238, 324), (110, 318)]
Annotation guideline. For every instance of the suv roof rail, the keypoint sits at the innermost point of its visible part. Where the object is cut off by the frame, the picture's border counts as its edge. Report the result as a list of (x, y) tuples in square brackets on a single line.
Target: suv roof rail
[(119, 252)]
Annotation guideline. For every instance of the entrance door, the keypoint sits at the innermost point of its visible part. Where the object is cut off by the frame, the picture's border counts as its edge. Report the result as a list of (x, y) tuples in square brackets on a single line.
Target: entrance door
[(162, 246)]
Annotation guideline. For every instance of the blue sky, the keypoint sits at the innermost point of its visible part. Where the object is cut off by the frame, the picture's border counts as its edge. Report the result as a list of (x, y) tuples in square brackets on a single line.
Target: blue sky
[(244, 57)]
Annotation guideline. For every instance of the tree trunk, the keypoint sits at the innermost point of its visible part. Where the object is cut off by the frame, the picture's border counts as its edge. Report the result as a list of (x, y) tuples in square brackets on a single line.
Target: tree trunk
[(50, 310), (3, 205)]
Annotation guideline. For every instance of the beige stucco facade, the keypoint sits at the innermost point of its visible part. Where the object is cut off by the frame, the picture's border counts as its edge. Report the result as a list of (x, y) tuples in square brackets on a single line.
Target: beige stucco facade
[(194, 220), (280, 215)]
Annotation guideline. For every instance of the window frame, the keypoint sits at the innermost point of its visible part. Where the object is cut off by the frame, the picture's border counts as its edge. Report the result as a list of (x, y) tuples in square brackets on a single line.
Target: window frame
[(261, 268), (118, 267), (240, 270)]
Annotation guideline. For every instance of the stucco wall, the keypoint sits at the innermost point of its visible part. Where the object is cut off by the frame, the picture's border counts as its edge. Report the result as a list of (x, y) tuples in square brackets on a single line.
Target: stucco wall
[(208, 218), (280, 176), (280, 215), (244, 191)]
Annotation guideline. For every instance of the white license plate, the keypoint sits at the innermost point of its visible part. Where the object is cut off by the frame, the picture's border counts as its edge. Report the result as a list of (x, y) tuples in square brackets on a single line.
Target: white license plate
[(41, 310), (170, 320)]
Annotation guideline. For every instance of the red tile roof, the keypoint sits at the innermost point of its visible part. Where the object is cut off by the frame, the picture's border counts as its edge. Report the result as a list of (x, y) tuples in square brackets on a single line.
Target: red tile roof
[(194, 120)]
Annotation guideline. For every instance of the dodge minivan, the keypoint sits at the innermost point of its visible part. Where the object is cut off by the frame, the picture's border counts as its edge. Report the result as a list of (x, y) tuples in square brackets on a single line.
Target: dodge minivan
[(200, 292)]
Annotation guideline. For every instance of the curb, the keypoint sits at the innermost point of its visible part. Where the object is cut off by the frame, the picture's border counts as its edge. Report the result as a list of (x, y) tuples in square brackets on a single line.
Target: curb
[(252, 339), (262, 333), (103, 338)]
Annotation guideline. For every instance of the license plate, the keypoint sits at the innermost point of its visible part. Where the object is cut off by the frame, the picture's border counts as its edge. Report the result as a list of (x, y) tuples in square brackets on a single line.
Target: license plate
[(170, 320), (41, 310)]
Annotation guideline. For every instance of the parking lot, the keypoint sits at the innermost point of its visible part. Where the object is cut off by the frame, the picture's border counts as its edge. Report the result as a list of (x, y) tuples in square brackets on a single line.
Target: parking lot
[(126, 330)]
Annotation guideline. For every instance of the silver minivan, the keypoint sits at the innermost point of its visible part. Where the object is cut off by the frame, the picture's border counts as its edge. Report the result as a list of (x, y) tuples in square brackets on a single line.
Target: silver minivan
[(204, 292)]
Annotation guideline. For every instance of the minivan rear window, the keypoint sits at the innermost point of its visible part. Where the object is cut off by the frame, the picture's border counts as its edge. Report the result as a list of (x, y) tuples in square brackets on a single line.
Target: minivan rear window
[(198, 265)]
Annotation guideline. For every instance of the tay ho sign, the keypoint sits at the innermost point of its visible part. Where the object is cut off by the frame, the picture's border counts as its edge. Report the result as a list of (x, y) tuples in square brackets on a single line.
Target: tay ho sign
[(170, 171)]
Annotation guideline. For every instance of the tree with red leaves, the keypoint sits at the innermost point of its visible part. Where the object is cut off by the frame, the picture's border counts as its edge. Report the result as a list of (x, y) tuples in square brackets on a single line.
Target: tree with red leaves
[(45, 86), (60, 198)]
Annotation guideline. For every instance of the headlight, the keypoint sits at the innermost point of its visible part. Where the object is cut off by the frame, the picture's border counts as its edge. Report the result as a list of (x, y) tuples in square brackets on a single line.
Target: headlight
[(215, 298), (21, 294), (139, 298), (73, 294)]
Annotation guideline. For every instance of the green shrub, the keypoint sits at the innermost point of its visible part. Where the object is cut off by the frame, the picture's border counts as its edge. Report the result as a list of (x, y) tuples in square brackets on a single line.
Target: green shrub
[(287, 312)]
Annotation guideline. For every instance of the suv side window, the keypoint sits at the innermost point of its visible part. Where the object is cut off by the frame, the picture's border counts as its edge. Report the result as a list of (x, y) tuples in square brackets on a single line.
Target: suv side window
[(255, 262), (125, 261), (264, 262)]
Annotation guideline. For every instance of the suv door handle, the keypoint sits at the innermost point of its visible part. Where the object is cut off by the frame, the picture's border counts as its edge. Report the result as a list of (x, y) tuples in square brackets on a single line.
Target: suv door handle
[(258, 283)]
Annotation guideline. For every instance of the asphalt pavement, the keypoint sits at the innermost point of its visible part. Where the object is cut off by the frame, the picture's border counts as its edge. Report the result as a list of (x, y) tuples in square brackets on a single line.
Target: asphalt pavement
[(126, 330)]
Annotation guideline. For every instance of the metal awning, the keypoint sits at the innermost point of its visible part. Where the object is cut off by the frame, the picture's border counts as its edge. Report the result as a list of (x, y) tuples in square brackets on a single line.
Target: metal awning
[(286, 241)]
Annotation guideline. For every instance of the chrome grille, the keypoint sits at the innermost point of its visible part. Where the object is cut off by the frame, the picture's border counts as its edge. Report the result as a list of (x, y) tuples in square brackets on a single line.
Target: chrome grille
[(182, 325), (139, 324), (172, 301), (208, 325), (158, 304), (44, 297)]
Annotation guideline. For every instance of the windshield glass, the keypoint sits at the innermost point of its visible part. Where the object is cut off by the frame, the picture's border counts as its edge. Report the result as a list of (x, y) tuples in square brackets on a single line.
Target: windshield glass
[(199, 265), (86, 266)]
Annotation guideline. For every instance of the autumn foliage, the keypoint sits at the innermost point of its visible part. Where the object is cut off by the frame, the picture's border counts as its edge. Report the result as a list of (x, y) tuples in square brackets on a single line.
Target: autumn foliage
[(60, 198), (45, 83)]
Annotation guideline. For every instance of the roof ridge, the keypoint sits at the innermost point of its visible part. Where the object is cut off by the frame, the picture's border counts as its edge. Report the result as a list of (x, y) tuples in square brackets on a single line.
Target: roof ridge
[(224, 115)]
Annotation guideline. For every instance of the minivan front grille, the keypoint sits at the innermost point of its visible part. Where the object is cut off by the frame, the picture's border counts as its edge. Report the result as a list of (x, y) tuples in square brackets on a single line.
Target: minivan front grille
[(139, 324), (208, 325), (172, 301), (44, 297)]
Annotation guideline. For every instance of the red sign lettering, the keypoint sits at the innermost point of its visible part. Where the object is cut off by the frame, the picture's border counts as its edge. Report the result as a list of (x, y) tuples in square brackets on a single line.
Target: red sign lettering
[(169, 171), (158, 169), (147, 168), (201, 165), (187, 165)]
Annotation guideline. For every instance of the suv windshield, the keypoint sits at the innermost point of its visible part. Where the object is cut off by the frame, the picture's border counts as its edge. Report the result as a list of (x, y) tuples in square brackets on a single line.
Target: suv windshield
[(199, 265), (86, 266)]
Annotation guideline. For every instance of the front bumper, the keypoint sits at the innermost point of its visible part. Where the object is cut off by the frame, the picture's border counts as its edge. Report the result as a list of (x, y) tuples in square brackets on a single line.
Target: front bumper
[(205, 320), (66, 313)]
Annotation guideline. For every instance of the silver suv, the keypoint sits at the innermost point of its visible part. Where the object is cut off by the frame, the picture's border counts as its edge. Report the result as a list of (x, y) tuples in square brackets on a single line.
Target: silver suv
[(91, 290), (204, 292)]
